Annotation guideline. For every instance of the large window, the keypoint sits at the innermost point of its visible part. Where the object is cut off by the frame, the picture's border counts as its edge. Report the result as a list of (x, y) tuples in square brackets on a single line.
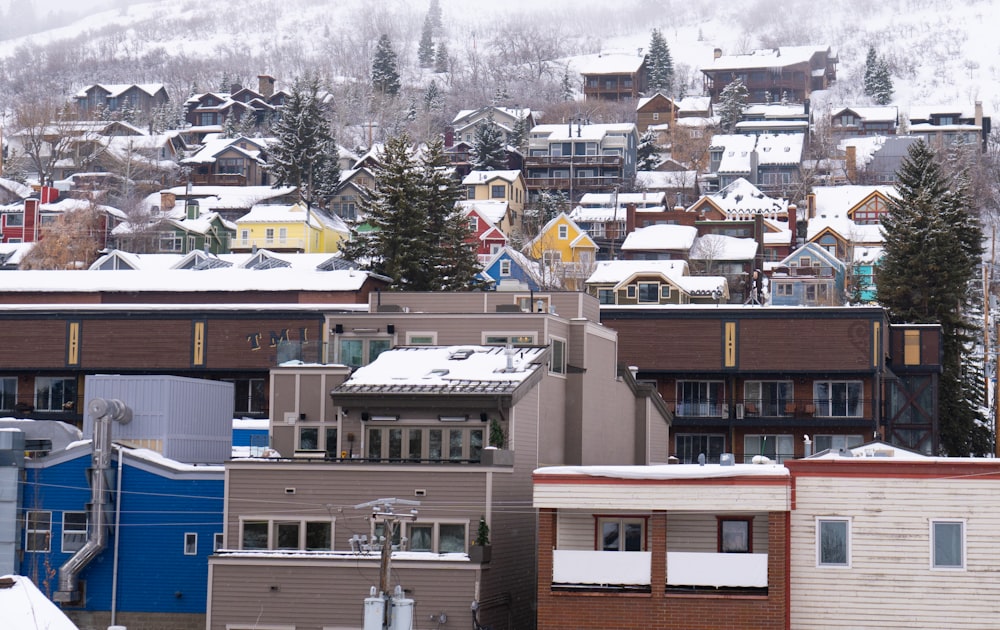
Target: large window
[(606, 296), (37, 530), (502, 339), (357, 351), (414, 444), (8, 393), (557, 363), (687, 447), (498, 191), (947, 544), (838, 398), (307, 535), (735, 535), (776, 447), (232, 166), (250, 395), (437, 537), (833, 542), (621, 534), (649, 293), (74, 531), (55, 393), (700, 398), (836, 442), (768, 398)]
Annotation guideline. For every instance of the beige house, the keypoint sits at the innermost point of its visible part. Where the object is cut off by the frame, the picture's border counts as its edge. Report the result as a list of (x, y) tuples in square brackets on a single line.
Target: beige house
[(417, 391)]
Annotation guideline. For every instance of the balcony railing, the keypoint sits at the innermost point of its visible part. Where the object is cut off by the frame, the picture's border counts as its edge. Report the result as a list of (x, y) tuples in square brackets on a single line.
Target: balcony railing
[(634, 568), (544, 161), (270, 243), (778, 408)]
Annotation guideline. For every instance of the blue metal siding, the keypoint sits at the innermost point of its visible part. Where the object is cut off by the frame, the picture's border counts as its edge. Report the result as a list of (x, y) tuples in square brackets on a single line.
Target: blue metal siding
[(154, 575)]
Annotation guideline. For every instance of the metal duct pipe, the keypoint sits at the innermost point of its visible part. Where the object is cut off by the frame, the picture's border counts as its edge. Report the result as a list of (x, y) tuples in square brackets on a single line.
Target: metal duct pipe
[(103, 411)]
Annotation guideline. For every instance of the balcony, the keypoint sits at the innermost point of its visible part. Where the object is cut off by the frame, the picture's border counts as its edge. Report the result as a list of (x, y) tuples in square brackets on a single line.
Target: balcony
[(565, 161), (618, 569), (811, 411), (218, 179), (283, 244)]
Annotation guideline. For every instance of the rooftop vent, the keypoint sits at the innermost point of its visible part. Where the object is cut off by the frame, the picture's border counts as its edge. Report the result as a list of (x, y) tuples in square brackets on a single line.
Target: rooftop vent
[(461, 354)]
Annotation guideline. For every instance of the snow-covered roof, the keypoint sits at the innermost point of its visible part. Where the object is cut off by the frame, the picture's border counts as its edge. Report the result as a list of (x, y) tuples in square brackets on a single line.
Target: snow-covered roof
[(220, 197), (926, 112), (690, 104), (741, 198), (661, 237), (294, 213), (766, 58), (868, 255), (773, 111), (214, 145), (608, 62), (116, 89), (27, 608), (493, 211), (886, 451), (865, 148), (614, 271), (66, 204), (445, 369), (640, 199), (888, 113), (721, 247), (16, 188), (599, 214), (584, 132), (13, 253), (652, 180), (481, 177), (182, 280)]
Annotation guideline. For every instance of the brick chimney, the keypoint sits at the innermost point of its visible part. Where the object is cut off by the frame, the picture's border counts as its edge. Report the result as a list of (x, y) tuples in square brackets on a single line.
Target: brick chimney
[(851, 164), (810, 205), (265, 85), (793, 212), (31, 222), (629, 218)]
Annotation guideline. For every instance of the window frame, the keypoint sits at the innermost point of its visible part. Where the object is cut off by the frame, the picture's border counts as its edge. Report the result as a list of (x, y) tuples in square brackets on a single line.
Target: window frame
[(711, 407), (32, 533), (498, 191), (514, 338), (218, 541), (557, 361), (8, 393), (190, 543), (820, 521), (778, 439), (51, 381), (827, 410), (302, 534), (648, 292), (704, 440), (622, 522), (563, 231), (413, 337), (935, 565), (74, 530), (366, 355), (764, 400), (505, 267), (746, 521)]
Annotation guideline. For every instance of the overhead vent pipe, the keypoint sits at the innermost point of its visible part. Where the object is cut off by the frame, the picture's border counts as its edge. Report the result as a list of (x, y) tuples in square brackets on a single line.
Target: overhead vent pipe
[(103, 412)]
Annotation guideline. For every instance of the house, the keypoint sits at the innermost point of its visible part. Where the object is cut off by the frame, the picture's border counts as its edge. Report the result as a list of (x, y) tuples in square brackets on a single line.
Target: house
[(463, 126), (654, 111), (415, 421), (683, 546), (510, 270), (500, 186), (741, 200), (679, 187), (913, 533), (355, 185), (659, 242), (787, 73), (775, 118), (769, 161), (851, 122), (651, 282), (26, 222), (809, 276), (577, 158), (944, 126), (846, 222), (208, 112), (229, 162), (733, 258), (604, 215), (178, 231), (93, 100), (294, 228), (230, 202), (612, 75), (565, 249), (484, 235), (749, 380), (872, 160)]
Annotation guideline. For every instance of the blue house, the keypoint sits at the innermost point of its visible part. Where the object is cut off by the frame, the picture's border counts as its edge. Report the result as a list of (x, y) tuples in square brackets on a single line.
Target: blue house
[(511, 270), (809, 276), (164, 521)]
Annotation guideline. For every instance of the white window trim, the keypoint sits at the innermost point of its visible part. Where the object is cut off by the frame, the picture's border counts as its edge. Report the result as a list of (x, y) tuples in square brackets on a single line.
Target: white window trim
[(844, 519), (420, 333), (190, 536), (562, 371), (65, 530), (28, 531), (509, 334), (272, 522), (436, 533), (218, 541), (945, 521)]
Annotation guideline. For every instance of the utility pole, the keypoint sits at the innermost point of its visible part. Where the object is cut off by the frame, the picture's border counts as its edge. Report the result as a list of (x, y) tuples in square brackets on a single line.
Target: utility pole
[(382, 512)]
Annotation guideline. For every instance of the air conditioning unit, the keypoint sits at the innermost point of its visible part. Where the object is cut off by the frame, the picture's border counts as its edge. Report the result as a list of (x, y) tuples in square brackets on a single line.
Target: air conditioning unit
[(739, 411)]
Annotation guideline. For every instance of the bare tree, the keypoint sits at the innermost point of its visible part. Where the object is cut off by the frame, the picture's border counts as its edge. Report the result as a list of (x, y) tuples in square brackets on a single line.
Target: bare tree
[(71, 241), (41, 126)]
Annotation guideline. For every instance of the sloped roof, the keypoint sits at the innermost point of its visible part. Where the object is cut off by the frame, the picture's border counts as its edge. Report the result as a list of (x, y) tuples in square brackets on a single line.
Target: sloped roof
[(491, 210), (26, 608), (615, 271), (741, 198), (661, 237), (584, 132), (482, 177), (610, 62), (766, 58), (721, 247), (888, 113)]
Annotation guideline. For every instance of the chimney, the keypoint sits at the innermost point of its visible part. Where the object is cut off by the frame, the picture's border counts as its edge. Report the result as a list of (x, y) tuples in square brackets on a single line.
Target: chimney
[(793, 211), (979, 114), (754, 160), (265, 85), (716, 53), (449, 137), (167, 200), (629, 218), (810, 205), (31, 222), (851, 165)]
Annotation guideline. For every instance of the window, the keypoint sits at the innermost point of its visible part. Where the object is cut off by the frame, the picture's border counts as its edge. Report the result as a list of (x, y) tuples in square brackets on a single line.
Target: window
[(55, 393), (421, 536), (514, 339), (282, 235), (319, 536), (8, 393), (835, 442), (687, 447), (254, 535), (217, 541), (505, 267), (649, 293), (170, 242), (451, 538), (947, 544), (37, 531), (911, 347), (498, 191), (563, 232), (735, 535), (783, 289), (232, 166), (833, 542), (357, 351), (269, 235), (250, 394), (665, 291), (621, 534), (415, 444), (700, 398), (470, 192), (557, 364), (15, 219), (817, 293), (190, 544), (286, 534), (74, 531), (777, 447), (245, 236), (474, 223), (606, 296), (656, 115), (838, 398), (421, 338), (768, 398), (630, 291), (308, 438), (540, 304)]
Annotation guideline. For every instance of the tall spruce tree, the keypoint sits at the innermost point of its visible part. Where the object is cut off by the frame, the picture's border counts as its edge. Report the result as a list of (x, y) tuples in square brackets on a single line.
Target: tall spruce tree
[(877, 79), (425, 49), (305, 155), (732, 101), (414, 238), (385, 71), (659, 65), (488, 151), (519, 133), (648, 152), (434, 16), (933, 245), (441, 60)]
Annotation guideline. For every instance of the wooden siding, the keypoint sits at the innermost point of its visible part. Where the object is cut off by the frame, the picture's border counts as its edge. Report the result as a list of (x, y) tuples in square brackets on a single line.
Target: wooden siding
[(655, 345), (722, 495), (844, 344), (699, 532), (889, 583)]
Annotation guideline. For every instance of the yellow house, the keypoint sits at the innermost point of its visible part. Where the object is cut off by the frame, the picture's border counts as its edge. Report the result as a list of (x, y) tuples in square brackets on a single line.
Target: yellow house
[(565, 250), (500, 186), (294, 228)]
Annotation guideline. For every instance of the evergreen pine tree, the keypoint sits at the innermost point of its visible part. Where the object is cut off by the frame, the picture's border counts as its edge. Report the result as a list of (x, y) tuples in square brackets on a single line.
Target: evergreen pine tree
[(441, 61), (248, 123), (933, 245), (425, 50), (519, 133), (434, 16), (732, 102), (877, 78), (230, 127), (566, 87), (659, 65), (305, 155), (647, 153), (432, 98), (385, 72), (488, 149)]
